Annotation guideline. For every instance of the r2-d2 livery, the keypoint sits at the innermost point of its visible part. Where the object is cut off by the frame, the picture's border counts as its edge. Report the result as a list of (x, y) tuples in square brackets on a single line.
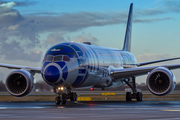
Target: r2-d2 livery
[(79, 65), (82, 65), (73, 65)]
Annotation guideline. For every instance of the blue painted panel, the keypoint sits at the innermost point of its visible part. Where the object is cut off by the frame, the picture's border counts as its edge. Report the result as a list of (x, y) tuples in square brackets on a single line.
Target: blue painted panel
[(81, 71), (65, 73), (68, 43), (75, 47), (78, 81), (80, 53), (51, 74), (45, 63), (61, 64), (84, 79)]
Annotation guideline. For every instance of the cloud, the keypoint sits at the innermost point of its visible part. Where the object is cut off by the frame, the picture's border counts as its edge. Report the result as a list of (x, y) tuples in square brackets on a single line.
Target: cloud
[(87, 38), (26, 3), (172, 5), (34, 56), (15, 27), (54, 38), (151, 20), (167, 7), (44, 14), (9, 16), (21, 3), (14, 51), (27, 29), (149, 12), (71, 22)]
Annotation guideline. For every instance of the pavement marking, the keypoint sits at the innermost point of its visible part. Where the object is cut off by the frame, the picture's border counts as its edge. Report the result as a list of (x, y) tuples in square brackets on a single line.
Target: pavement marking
[(108, 93), (84, 99), (171, 110), (164, 119)]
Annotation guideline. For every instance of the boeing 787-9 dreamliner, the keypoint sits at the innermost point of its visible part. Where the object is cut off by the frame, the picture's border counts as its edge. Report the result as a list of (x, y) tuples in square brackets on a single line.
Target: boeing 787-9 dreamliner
[(77, 65)]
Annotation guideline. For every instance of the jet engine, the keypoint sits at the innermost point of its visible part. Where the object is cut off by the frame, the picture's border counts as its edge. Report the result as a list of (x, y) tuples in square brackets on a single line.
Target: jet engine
[(160, 81), (19, 83)]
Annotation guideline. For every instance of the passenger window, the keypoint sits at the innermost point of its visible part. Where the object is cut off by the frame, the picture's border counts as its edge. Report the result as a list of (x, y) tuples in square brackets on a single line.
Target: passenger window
[(49, 58), (66, 58), (58, 58)]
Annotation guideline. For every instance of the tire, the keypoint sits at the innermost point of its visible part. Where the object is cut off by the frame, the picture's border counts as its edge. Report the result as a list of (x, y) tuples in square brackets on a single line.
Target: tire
[(73, 96), (128, 96), (58, 100), (139, 96), (64, 101)]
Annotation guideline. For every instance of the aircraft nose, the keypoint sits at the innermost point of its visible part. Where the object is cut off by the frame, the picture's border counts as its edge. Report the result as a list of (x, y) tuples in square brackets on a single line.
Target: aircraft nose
[(52, 74)]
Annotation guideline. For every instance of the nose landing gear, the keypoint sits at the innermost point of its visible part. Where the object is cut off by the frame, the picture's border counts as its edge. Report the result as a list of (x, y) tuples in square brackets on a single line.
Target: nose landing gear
[(58, 100), (63, 96)]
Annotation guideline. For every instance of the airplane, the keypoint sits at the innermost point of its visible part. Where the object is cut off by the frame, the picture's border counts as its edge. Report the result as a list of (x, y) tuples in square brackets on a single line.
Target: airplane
[(82, 65)]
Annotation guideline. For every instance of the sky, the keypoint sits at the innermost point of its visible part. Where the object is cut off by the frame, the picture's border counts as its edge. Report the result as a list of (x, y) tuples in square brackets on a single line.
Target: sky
[(29, 28)]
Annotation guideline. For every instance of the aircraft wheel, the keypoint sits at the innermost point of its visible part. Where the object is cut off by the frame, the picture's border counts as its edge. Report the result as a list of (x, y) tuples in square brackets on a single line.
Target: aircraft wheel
[(139, 96), (128, 96), (58, 100), (64, 101), (73, 96)]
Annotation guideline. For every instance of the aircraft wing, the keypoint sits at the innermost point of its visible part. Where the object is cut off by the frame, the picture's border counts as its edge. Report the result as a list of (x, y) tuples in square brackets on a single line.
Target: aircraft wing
[(125, 73), (34, 69), (156, 61)]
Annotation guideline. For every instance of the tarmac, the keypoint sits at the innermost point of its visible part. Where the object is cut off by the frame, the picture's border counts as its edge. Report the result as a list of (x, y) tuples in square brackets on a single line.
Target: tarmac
[(97, 110)]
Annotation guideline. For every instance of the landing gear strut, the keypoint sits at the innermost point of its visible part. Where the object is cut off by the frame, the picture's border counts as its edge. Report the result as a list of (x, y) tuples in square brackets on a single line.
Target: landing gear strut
[(134, 95), (62, 97)]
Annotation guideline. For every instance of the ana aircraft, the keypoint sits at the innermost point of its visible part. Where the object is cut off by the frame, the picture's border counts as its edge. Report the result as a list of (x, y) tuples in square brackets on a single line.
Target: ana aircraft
[(75, 65)]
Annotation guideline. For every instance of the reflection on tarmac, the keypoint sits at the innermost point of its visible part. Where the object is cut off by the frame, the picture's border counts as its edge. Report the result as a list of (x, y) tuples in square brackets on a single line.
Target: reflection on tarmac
[(86, 104), (91, 110)]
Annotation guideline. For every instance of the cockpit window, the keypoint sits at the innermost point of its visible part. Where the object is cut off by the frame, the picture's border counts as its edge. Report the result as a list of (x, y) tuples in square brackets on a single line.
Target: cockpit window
[(66, 58), (49, 58), (45, 58), (58, 58)]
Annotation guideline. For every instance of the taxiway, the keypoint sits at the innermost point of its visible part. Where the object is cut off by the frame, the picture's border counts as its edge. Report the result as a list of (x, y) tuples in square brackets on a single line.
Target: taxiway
[(113, 110)]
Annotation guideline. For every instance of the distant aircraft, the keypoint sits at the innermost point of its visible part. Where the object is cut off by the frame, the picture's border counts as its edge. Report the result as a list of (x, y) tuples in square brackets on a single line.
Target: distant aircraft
[(75, 65)]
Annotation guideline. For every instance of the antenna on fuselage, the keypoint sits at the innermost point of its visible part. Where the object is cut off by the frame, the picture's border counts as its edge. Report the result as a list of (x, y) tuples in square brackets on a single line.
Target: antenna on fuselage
[(127, 39)]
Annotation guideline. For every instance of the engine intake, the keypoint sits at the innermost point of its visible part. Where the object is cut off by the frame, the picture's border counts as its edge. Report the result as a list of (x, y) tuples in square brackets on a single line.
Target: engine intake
[(19, 83), (160, 81)]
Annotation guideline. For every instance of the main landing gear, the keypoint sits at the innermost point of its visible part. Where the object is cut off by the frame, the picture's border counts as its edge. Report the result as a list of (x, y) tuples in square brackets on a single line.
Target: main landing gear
[(62, 97), (134, 94)]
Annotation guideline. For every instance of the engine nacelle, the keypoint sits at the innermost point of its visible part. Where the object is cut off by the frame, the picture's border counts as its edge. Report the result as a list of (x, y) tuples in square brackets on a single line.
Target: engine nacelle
[(19, 83), (161, 81)]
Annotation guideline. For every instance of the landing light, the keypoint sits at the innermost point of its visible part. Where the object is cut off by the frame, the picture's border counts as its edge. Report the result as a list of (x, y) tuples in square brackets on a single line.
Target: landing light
[(60, 88)]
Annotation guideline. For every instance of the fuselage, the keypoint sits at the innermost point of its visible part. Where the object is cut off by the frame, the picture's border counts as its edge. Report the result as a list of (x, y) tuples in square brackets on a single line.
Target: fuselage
[(75, 65)]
